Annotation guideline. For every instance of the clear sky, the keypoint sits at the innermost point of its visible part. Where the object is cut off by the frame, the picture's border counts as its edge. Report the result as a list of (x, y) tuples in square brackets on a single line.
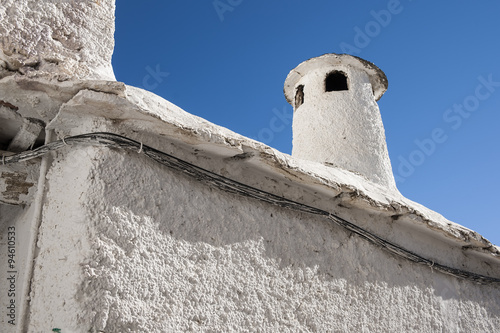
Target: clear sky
[(226, 61)]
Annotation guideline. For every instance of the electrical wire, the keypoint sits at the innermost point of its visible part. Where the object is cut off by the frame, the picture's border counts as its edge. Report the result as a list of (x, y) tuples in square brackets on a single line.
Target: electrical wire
[(116, 141)]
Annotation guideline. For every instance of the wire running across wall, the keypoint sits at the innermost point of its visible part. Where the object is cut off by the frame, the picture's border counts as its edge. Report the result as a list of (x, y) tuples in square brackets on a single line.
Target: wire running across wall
[(116, 141)]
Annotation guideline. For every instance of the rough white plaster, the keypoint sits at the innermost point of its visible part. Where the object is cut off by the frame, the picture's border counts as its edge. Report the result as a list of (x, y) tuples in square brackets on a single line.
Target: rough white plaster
[(145, 248), (57, 38)]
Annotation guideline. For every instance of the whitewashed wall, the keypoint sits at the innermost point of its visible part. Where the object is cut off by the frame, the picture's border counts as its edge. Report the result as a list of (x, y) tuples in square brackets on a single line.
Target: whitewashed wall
[(128, 245), (57, 38)]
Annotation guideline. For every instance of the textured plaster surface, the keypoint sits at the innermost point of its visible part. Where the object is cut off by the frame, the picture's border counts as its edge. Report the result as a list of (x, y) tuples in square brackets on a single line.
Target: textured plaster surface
[(57, 38), (134, 246)]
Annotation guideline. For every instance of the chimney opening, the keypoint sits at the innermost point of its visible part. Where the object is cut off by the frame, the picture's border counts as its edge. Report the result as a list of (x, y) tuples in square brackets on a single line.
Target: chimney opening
[(299, 96), (336, 81)]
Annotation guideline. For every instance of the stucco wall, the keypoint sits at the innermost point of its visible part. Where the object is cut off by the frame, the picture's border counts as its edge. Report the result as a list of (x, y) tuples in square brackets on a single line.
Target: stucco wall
[(128, 245), (57, 38), (15, 223)]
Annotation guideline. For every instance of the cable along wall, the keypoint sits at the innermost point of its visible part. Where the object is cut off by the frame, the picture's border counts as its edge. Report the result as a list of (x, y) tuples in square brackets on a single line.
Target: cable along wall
[(231, 186)]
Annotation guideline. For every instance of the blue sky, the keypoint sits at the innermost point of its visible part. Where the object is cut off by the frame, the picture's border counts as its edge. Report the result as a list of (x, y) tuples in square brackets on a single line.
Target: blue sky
[(226, 61)]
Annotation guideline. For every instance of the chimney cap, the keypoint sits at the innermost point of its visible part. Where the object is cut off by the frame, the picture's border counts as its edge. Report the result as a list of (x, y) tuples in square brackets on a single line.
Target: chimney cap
[(377, 77)]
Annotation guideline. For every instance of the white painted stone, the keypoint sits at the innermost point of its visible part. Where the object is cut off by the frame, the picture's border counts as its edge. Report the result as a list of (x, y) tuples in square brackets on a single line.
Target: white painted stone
[(57, 38), (341, 128)]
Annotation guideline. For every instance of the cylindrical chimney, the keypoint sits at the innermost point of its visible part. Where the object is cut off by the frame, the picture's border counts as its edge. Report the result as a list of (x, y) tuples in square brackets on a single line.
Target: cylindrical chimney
[(336, 118)]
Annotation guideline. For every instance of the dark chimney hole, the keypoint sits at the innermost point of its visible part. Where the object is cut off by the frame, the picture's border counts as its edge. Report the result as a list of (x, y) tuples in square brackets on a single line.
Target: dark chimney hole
[(299, 96), (336, 81)]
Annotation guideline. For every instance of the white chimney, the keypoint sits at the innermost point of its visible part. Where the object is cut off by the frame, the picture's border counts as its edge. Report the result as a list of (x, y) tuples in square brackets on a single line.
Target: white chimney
[(336, 117)]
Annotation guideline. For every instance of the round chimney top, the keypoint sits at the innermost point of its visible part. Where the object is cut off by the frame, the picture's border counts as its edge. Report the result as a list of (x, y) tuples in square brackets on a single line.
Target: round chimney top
[(377, 78)]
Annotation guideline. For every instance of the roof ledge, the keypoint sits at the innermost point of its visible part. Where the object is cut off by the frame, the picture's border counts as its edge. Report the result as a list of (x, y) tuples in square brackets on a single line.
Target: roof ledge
[(149, 117)]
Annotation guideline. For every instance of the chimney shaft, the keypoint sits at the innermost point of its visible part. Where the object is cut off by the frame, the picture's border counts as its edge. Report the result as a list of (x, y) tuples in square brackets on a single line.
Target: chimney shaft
[(336, 117)]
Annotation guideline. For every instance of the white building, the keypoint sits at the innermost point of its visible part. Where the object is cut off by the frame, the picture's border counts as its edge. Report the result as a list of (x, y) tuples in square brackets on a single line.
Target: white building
[(135, 216)]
